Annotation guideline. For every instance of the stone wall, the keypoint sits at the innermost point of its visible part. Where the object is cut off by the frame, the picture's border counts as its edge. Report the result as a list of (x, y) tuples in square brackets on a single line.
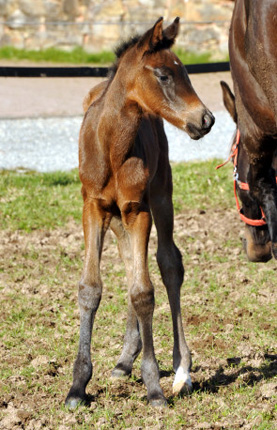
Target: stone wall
[(99, 24)]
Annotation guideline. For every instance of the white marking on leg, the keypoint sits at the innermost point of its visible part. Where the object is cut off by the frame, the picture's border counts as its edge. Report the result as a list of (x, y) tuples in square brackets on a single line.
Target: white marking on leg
[(182, 381)]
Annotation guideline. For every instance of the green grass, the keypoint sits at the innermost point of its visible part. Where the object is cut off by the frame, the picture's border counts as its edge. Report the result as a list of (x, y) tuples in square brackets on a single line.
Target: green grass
[(79, 56), (200, 185), (188, 57), (76, 56), (31, 200)]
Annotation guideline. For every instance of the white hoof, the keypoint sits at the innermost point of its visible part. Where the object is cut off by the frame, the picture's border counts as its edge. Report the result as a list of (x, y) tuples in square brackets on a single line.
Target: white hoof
[(182, 382)]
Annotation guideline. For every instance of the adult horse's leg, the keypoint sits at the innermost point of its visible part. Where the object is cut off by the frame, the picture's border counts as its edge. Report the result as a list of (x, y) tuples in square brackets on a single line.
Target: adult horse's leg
[(262, 184), (132, 341), (137, 221), (95, 224), (171, 267)]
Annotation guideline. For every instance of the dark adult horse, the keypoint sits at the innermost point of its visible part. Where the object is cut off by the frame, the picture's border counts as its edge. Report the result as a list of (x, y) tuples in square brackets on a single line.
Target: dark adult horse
[(126, 176), (253, 60), (257, 243)]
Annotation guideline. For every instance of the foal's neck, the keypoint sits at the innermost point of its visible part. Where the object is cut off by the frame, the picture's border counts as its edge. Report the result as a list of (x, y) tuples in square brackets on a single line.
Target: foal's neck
[(121, 117)]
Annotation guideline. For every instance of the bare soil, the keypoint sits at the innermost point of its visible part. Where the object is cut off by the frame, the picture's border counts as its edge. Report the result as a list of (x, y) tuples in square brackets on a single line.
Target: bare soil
[(218, 373)]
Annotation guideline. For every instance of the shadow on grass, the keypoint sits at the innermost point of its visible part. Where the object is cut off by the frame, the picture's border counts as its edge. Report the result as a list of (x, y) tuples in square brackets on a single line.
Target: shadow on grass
[(250, 374)]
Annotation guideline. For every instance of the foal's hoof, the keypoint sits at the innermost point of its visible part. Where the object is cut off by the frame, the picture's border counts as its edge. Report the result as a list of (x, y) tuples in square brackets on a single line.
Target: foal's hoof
[(74, 402), (182, 382), (158, 403), (120, 373)]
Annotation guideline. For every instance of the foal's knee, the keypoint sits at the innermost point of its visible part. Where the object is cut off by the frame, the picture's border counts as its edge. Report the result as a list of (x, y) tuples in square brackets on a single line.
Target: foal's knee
[(142, 299), (89, 296)]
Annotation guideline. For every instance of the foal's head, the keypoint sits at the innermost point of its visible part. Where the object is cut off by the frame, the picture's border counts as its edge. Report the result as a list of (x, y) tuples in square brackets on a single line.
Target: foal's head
[(257, 240), (157, 81)]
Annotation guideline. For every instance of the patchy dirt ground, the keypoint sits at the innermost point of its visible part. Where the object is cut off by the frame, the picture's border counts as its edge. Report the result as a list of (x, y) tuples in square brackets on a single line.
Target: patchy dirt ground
[(228, 315)]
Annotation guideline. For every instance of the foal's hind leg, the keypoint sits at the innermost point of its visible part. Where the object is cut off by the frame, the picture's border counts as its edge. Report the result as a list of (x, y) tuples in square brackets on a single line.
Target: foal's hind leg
[(132, 341), (170, 263), (95, 223)]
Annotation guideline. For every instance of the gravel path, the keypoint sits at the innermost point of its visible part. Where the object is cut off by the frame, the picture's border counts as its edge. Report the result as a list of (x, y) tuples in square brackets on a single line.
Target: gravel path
[(49, 144), (40, 121)]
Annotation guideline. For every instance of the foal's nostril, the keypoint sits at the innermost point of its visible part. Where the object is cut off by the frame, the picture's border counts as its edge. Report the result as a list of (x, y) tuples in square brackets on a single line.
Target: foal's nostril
[(208, 120)]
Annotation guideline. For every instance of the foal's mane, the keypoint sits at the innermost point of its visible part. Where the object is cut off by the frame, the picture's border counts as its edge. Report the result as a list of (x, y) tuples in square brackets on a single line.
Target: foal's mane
[(119, 51), (165, 43)]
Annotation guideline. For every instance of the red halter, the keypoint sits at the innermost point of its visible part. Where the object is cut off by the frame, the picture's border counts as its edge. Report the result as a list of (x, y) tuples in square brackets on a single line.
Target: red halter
[(242, 185)]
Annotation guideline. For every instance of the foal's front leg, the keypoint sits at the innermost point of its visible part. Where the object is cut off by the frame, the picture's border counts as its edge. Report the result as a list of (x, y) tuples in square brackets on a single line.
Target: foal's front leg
[(138, 224), (171, 267), (95, 224)]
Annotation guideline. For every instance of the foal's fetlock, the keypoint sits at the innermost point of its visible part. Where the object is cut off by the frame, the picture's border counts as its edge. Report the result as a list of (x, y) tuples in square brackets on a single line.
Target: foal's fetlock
[(151, 379), (82, 373)]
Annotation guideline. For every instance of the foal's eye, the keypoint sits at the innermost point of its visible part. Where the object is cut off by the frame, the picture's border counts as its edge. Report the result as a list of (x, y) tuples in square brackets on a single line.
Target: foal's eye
[(163, 78)]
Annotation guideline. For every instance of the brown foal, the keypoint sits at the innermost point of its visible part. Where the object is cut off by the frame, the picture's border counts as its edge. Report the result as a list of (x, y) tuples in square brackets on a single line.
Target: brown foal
[(126, 175)]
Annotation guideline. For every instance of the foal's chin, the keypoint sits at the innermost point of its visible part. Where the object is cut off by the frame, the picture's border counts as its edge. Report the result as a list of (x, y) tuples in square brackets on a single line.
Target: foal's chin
[(195, 133)]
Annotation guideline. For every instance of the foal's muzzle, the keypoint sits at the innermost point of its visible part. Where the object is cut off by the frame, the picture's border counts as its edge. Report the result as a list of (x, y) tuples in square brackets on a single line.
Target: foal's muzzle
[(196, 131)]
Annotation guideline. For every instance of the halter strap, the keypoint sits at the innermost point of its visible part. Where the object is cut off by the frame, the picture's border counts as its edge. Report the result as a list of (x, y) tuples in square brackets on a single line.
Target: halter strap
[(233, 152), (242, 185)]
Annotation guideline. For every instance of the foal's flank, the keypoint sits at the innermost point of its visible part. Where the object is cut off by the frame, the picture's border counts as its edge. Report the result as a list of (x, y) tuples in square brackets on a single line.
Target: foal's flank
[(126, 179)]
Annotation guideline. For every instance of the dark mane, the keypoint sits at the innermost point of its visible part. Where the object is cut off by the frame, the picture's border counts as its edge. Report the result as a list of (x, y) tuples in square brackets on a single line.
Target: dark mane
[(126, 44), (165, 43), (120, 50)]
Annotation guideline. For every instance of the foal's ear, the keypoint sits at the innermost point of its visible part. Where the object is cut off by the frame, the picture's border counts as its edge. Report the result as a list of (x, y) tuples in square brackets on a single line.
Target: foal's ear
[(153, 37), (229, 100), (157, 39), (171, 32), (157, 32)]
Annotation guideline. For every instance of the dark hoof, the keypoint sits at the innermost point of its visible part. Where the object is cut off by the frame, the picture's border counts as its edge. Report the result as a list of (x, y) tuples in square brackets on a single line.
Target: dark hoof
[(158, 403), (120, 372), (73, 402)]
